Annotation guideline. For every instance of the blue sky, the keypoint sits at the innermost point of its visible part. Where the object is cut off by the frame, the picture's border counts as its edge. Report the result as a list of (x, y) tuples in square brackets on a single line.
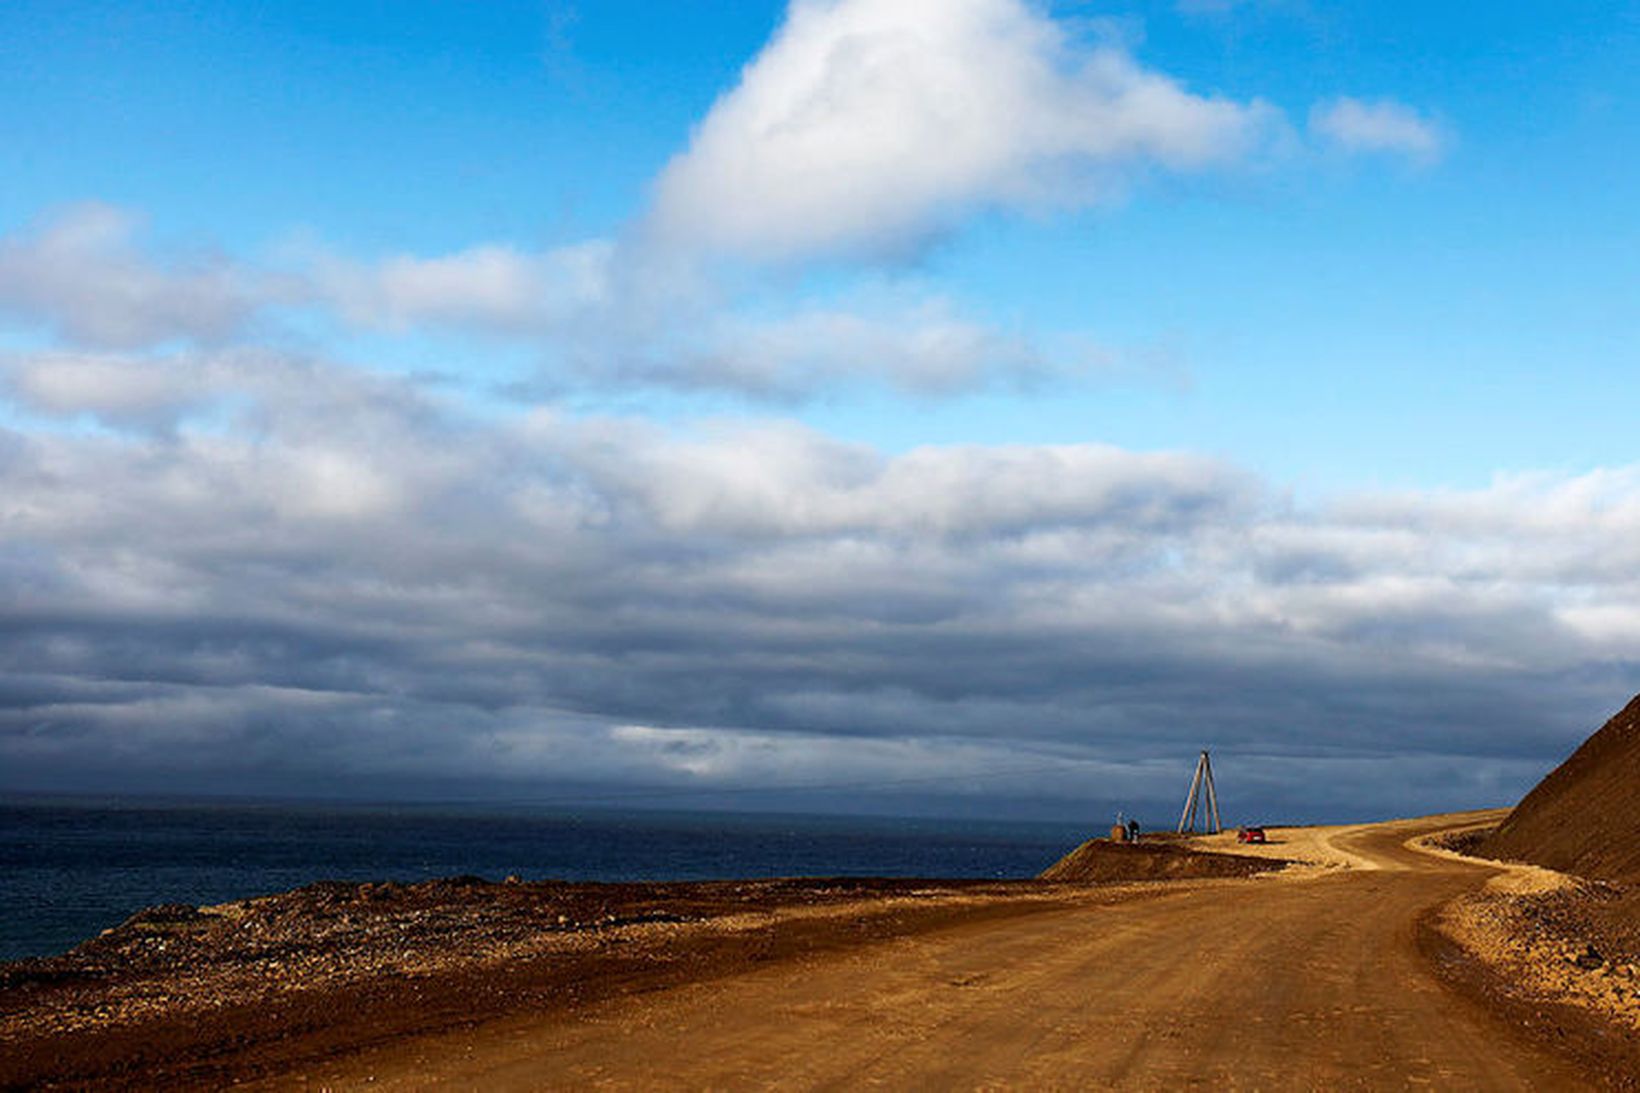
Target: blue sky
[(1340, 321), (1334, 260)]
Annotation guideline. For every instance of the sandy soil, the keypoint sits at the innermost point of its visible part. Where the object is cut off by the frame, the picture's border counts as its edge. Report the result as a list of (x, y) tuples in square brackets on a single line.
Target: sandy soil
[(1317, 849), (1317, 979)]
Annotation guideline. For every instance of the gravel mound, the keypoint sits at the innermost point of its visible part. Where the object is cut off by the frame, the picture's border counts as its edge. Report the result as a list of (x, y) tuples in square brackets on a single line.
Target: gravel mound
[(1099, 861)]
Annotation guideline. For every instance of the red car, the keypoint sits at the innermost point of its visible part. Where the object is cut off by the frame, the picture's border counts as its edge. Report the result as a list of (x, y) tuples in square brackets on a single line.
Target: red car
[(1251, 835)]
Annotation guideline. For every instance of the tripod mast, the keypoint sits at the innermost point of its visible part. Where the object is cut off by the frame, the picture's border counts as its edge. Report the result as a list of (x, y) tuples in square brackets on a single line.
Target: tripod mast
[(1202, 792)]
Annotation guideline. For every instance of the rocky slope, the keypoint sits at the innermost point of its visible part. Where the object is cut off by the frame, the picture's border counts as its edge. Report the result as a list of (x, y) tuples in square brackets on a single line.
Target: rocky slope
[(1584, 818)]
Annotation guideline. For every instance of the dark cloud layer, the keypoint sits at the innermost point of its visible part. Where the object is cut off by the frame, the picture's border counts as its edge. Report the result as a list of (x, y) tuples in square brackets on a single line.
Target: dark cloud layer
[(301, 576)]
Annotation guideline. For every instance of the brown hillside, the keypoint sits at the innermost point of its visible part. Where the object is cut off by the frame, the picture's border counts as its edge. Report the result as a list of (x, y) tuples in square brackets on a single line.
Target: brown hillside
[(1102, 861), (1584, 818)]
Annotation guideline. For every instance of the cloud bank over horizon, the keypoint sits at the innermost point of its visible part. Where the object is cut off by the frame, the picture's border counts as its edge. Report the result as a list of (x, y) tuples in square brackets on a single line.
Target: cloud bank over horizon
[(322, 570)]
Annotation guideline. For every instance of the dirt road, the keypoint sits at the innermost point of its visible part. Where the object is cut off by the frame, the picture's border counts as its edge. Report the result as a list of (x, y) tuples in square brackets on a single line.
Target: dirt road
[(1308, 982)]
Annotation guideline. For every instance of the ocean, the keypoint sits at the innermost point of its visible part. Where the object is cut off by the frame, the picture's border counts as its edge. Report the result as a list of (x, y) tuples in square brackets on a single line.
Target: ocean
[(71, 868)]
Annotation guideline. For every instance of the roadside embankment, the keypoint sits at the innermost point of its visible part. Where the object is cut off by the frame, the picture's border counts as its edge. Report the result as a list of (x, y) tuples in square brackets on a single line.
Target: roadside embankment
[(1548, 937), (1560, 921)]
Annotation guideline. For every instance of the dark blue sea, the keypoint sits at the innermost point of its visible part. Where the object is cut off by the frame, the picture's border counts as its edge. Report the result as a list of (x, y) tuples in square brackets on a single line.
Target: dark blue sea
[(70, 868)]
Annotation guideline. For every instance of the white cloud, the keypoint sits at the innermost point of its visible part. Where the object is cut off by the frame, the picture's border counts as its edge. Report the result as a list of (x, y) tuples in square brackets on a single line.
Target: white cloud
[(159, 392), (81, 275), (604, 316), (116, 388), (493, 288), (784, 480), (1383, 126), (924, 347), (867, 125), (907, 341)]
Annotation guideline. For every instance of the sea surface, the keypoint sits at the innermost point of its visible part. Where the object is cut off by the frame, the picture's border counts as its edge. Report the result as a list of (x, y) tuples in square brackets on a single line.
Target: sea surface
[(71, 868)]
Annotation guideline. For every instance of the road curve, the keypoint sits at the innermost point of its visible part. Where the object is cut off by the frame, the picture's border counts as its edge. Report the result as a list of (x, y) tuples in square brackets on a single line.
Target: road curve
[(1312, 983)]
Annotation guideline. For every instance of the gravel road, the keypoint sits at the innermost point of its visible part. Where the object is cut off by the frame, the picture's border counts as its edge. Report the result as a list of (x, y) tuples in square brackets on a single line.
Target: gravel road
[(1311, 979)]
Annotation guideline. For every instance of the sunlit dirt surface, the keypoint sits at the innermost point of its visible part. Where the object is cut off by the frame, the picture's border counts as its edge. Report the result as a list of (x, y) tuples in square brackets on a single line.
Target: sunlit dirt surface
[(1304, 980)]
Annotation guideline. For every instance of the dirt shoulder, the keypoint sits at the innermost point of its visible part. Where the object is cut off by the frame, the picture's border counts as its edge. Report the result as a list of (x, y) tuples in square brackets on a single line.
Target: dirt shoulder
[(1548, 941)]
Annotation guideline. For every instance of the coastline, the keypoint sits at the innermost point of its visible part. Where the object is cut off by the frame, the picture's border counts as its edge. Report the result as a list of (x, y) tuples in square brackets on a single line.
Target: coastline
[(74, 869)]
